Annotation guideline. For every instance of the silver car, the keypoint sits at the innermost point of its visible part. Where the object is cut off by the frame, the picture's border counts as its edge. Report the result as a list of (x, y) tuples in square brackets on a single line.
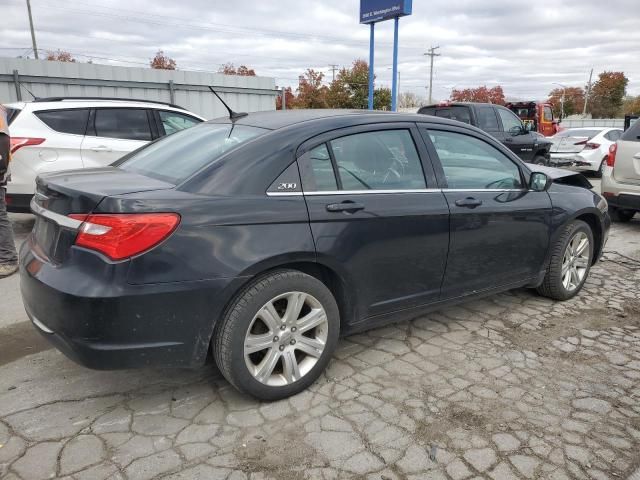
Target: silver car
[(621, 175)]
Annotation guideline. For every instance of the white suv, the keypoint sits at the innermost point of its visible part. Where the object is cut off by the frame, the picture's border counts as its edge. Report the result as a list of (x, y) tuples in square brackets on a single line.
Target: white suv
[(621, 178), (53, 134)]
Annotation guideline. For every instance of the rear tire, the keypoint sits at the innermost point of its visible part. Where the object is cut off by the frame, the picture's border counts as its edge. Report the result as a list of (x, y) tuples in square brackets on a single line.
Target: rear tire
[(570, 262), (621, 215), (278, 335), (598, 173)]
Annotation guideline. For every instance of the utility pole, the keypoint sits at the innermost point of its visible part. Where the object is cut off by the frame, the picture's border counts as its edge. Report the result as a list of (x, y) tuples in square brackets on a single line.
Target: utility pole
[(431, 53), (586, 97), (333, 68), (33, 32)]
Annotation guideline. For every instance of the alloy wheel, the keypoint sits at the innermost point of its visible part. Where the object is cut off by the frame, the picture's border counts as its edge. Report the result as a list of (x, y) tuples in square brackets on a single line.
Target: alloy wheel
[(575, 261), (285, 339)]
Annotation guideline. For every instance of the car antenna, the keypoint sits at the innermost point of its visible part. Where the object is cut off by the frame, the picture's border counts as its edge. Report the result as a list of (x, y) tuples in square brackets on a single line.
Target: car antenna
[(232, 115), (30, 93)]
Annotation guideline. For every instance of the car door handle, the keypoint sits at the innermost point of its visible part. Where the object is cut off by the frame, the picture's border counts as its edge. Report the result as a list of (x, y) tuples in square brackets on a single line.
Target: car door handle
[(101, 148), (469, 202), (346, 206)]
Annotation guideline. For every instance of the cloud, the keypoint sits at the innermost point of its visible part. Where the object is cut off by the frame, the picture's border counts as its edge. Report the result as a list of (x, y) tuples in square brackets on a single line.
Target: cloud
[(524, 46)]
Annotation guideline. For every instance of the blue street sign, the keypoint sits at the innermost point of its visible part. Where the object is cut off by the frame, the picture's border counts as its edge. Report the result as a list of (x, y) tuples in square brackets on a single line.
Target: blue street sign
[(378, 10)]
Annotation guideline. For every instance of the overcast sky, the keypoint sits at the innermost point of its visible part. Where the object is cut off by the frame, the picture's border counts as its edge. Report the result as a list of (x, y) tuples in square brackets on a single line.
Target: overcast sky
[(523, 45)]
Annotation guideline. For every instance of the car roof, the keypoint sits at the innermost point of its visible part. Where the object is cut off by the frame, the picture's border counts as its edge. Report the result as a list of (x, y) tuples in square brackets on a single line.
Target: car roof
[(275, 120), (91, 102)]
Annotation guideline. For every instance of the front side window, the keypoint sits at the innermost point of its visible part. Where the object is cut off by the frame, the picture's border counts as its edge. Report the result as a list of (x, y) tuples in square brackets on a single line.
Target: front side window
[(547, 114), (470, 163), (174, 121), (487, 119), (124, 123), (176, 157), (382, 160), (66, 121), (509, 120)]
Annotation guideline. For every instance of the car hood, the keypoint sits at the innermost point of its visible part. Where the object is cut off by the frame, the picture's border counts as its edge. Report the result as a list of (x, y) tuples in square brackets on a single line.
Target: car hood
[(566, 177)]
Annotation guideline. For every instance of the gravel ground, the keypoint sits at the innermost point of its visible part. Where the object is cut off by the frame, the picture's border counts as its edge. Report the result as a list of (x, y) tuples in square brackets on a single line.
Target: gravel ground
[(513, 386)]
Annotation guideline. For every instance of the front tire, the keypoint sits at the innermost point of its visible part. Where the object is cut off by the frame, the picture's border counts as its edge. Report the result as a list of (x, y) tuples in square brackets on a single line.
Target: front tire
[(539, 160), (278, 335), (571, 258)]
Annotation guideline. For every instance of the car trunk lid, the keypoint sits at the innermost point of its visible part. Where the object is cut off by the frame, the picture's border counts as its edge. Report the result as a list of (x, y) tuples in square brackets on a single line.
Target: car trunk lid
[(568, 144), (61, 194)]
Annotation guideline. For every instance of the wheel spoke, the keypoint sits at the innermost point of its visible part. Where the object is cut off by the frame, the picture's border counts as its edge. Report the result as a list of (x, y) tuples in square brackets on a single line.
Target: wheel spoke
[(582, 246), (255, 343), (566, 279), (581, 262), (566, 266), (265, 368), (575, 278), (295, 301), (314, 318), (270, 317), (310, 346), (290, 366)]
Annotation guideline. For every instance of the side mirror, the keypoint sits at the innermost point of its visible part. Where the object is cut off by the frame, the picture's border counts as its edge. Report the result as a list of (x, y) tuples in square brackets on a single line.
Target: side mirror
[(539, 182), (513, 131)]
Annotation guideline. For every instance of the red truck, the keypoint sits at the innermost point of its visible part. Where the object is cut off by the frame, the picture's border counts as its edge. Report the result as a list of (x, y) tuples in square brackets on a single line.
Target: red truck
[(538, 114)]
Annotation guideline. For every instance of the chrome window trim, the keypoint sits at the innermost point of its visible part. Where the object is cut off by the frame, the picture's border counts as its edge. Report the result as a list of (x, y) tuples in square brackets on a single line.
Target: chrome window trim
[(57, 218), (418, 190)]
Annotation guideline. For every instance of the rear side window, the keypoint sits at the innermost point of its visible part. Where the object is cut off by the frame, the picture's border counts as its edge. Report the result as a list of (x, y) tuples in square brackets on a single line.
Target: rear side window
[(384, 160), (12, 113), (613, 135), (509, 119), (323, 178), (487, 119), (174, 121), (633, 133), (66, 121), (124, 123), (176, 157)]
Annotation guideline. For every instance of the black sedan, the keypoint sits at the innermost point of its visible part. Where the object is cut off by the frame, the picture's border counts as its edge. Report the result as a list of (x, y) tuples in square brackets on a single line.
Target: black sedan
[(263, 238)]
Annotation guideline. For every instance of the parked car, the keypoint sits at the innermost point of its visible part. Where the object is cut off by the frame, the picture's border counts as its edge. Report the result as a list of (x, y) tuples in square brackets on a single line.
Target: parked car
[(278, 231), (53, 134), (621, 177), (501, 123), (584, 149)]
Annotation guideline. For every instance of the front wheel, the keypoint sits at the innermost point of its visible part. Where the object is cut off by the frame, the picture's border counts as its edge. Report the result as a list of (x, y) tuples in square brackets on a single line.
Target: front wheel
[(278, 335), (539, 160), (570, 262)]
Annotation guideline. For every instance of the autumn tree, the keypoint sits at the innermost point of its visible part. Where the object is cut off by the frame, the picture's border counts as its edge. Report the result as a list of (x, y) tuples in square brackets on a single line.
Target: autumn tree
[(607, 95), (162, 62), (408, 100), (290, 102), (311, 92), (242, 70), (479, 94), (382, 99), (573, 100), (60, 56), (631, 105)]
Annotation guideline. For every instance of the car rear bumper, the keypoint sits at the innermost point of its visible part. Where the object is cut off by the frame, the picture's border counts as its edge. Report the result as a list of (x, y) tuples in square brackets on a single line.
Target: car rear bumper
[(103, 324), (620, 195)]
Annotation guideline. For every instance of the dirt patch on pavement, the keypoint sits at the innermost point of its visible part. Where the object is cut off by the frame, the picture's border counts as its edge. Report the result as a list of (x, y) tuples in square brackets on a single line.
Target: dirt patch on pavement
[(19, 340)]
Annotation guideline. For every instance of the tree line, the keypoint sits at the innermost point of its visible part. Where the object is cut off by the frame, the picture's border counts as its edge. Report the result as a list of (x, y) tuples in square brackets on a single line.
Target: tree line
[(607, 98)]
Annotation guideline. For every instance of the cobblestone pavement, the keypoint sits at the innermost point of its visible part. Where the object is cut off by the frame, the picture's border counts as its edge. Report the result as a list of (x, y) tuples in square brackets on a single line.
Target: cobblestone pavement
[(513, 386)]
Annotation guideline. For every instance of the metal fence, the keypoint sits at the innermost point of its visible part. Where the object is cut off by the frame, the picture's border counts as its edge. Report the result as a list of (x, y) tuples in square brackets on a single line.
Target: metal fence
[(592, 122), (187, 89)]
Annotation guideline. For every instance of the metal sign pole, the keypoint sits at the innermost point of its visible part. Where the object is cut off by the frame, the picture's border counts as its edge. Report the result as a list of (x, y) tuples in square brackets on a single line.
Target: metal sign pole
[(394, 82), (371, 55)]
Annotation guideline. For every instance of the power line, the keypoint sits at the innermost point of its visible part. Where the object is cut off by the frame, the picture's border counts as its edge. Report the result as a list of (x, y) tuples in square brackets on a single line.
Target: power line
[(333, 68)]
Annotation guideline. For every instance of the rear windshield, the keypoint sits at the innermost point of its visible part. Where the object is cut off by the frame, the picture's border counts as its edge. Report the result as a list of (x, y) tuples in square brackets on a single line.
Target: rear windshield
[(633, 132), (573, 132), (175, 158)]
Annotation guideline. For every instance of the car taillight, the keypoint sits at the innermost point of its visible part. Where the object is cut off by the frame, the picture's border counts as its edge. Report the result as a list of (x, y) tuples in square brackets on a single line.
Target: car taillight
[(124, 235), (19, 142), (591, 146), (611, 158)]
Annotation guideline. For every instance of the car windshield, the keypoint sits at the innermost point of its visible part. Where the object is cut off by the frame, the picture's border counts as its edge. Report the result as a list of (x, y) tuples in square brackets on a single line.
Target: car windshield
[(176, 157), (576, 132)]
